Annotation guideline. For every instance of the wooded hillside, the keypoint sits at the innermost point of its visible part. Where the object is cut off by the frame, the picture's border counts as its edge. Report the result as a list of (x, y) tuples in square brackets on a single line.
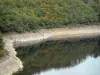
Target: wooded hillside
[(28, 15)]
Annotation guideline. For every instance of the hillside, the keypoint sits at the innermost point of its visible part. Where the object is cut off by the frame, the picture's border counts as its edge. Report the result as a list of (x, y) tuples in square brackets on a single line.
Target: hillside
[(29, 15)]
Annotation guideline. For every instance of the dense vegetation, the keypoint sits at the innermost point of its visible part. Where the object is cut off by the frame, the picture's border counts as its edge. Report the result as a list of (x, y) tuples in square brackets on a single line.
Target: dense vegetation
[(58, 54), (2, 52), (26, 15)]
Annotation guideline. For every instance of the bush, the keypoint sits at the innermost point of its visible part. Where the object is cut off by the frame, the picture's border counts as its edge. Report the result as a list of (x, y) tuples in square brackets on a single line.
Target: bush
[(95, 5), (2, 52), (1, 42), (27, 15)]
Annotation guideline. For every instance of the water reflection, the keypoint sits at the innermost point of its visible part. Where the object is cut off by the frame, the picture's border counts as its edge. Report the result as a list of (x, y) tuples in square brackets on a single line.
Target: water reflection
[(61, 58), (91, 66)]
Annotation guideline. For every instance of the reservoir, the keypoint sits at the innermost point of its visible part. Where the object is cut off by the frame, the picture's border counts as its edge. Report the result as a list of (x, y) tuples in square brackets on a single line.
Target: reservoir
[(61, 58)]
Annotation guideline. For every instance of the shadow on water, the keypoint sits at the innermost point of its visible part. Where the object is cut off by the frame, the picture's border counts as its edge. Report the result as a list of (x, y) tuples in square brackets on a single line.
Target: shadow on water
[(56, 55)]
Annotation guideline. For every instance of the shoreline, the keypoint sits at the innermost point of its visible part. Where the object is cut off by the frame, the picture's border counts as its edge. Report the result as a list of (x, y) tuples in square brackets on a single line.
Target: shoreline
[(12, 41)]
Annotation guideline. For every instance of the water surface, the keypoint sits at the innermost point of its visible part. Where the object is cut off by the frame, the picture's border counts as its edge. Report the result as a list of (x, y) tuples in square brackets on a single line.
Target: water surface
[(61, 58)]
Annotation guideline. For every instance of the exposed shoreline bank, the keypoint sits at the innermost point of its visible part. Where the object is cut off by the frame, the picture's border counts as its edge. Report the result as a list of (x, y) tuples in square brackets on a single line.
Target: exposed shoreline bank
[(11, 41)]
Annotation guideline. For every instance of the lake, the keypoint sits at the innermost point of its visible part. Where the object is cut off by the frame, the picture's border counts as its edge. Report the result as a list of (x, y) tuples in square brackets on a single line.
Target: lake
[(61, 58)]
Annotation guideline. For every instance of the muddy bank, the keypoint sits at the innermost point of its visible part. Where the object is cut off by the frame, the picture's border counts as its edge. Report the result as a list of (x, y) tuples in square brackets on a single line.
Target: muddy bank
[(11, 41)]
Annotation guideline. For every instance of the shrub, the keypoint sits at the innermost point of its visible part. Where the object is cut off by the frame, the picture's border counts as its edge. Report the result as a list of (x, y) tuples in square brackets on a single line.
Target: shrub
[(2, 52), (1, 42), (27, 15)]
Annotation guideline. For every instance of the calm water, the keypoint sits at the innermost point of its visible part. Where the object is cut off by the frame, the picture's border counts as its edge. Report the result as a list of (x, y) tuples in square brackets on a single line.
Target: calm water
[(61, 58)]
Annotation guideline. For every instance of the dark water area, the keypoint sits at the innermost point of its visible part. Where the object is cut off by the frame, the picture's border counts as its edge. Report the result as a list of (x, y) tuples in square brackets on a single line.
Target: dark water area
[(61, 58)]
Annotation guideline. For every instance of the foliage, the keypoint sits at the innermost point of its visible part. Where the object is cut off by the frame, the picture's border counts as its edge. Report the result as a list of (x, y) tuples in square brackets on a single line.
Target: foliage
[(27, 15), (2, 52), (1, 42), (95, 4)]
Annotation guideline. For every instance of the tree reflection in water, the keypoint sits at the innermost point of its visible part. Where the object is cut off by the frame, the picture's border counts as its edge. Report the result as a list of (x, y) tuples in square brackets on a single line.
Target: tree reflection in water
[(56, 54)]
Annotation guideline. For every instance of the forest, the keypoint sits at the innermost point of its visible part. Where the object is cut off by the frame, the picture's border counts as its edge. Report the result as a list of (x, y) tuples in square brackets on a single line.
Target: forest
[(29, 15)]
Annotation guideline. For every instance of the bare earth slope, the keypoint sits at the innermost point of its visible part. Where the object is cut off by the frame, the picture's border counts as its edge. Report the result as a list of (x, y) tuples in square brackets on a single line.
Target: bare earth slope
[(12, 63)]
